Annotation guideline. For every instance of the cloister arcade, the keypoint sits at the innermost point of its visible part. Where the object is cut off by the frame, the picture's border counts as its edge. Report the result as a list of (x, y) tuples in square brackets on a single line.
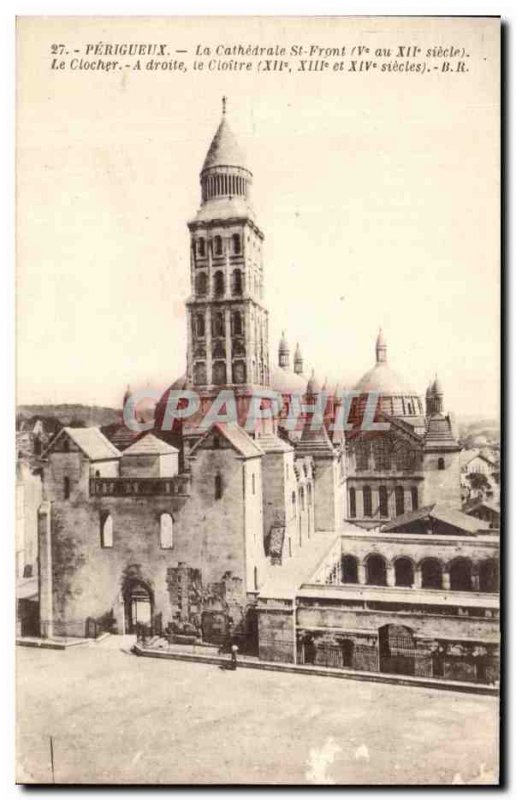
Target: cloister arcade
[(457, 574)]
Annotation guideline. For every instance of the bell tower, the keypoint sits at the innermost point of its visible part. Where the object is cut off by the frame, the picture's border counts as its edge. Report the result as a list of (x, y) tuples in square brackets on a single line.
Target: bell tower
[(227, 319)]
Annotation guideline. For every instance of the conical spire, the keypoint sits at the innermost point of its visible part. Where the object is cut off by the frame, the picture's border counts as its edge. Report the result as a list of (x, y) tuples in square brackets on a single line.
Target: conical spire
[(381, 348), (313, 386), (224, 150)]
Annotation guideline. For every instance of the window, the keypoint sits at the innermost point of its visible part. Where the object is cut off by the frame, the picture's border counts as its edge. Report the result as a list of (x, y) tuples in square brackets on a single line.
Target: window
[(219, 327), (309, 494), (201, 247), (399, 497), (362, 457), (488, 576), (368, 505), (66, 445), (106, 531), (382, 456), (239, 372), (236, 287), (440, 463), (349, 569), (236, 243), (219, 283), (414, 497), (218, 487), (200, 374), (200, 327), (237, 323), (201, 284), (352, 503), (66, 487), (219, 373), (166, 531), (217, 246), (302, 498), (384, 501), (293, 502)]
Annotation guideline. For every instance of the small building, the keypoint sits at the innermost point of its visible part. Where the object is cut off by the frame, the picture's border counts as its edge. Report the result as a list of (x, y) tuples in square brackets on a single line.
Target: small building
[(150, 457)]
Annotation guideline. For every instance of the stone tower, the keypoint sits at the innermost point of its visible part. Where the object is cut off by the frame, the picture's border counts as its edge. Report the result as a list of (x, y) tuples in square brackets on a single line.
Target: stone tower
[(227, 319)]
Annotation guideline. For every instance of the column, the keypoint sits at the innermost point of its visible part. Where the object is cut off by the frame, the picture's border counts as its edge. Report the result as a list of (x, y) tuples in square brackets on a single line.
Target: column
[(418, 580), (391, 575), (229, 362), (46, 615), (209, 372), (361, 574), (446, 580)]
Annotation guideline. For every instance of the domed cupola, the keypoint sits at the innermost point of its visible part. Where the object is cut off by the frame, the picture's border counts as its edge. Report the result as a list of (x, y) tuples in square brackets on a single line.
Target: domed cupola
[(284, 352), (298, 360), (395, 396), (313, 386)]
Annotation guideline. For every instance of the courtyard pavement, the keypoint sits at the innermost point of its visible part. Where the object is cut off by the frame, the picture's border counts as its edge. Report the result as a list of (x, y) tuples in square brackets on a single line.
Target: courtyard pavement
[(117, 718)]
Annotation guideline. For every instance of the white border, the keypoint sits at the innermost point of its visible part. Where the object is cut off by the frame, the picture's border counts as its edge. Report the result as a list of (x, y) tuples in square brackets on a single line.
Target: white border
[(8, 11)]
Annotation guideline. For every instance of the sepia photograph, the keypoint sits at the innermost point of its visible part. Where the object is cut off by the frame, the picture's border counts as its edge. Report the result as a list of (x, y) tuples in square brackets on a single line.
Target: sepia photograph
[(258, 429)]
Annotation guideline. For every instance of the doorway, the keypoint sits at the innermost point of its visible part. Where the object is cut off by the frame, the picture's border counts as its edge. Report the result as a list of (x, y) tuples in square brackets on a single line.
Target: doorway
[(138, 606)]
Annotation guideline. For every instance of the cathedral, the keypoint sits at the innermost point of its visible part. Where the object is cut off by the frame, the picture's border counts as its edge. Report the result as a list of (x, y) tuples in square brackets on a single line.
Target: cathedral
[(201, 532)]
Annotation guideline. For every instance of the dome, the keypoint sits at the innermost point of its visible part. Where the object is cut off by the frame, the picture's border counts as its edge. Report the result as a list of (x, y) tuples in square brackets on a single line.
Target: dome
[(224, 150), (381, 378), (437, 387), (285, 381)]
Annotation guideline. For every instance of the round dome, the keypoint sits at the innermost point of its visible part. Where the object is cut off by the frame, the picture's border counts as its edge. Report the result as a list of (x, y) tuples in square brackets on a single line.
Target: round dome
[(381, 378), (285, 381)]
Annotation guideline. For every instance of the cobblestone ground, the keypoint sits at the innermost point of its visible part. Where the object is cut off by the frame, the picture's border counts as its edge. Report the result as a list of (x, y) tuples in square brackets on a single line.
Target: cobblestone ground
[(122, 719)]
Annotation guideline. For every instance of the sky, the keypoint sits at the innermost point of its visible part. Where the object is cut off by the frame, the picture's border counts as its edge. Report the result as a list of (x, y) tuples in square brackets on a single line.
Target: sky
[(378, 196)]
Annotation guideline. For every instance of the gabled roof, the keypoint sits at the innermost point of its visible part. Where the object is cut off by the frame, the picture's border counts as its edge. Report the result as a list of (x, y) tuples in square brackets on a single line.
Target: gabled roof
[(468, 455), (91, 441), (235, 435), (150, 445), (441, 513), (475, 504)]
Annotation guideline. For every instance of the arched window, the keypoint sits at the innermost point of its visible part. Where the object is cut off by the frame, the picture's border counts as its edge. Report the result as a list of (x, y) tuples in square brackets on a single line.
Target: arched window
[(217, 245), (236, 287), (382, 456), (218, 326), (349, 569), (106, 531), (219, 283), (66, 487), (239, 372), (218, 487), (384, 501), (200, 327), (403, 572), (166, 531), (414, 498), (431, 574), (237, 247), (460, 575), (368, 504), (201, 284), (488, 576), (440, 463), (201, 247), (200, 376), (399, 498), (352, 503), (376, 571), (219, 373), (237, 323), (362, 456)]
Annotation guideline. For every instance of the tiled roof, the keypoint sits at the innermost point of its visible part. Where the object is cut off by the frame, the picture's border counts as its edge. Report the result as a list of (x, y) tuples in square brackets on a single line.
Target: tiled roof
[(439, 431), (441, 513), (92, 442), (236, 436), (468, 455), (150, 445)]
